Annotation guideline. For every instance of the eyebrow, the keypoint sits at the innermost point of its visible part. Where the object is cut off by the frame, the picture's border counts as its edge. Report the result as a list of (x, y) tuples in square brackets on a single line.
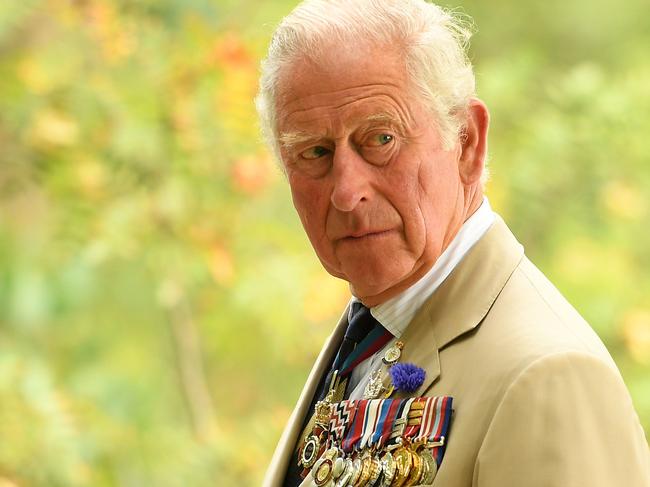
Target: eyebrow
[(387, 118), (290, 140)]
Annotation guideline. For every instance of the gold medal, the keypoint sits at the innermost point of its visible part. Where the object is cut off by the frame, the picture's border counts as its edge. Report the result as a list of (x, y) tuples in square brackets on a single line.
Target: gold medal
[(416, 470), (388, 469), (403, 463), (323, 411), (375, 470), (366, 465), (393, 354), (323, 472), (430, 466)]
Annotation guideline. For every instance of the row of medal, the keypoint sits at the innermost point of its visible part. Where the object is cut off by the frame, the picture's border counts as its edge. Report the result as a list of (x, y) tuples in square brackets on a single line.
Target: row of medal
[(376, 442)]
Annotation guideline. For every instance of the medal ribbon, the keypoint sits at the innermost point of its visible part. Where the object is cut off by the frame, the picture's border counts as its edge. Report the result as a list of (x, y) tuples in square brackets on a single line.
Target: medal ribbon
[(387, 416), (441, 426), (410, 430), (372, 416), (429, 417), (356, 428), (372, 343), (400, 423), (342, 415)]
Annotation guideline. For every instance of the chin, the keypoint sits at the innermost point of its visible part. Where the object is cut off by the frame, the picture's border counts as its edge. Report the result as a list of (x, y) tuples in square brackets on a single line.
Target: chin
[(373, 285)]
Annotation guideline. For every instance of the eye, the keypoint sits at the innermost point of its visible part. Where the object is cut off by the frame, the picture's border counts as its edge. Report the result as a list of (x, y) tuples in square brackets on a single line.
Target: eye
[(379, 140), (314, 152)]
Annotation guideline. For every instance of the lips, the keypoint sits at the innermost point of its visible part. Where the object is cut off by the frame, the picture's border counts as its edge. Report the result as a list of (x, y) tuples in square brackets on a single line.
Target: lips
[(358, 235)]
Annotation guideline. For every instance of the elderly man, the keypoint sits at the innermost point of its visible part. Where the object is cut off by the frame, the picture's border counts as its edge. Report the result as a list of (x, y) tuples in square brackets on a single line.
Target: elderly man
[(457, 363)]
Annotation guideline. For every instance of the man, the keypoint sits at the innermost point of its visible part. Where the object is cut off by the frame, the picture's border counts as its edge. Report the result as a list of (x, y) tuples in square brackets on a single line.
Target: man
[(370, 106)]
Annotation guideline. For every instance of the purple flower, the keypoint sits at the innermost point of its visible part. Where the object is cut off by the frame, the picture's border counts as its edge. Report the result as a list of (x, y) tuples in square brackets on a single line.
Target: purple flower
[(407, 377)]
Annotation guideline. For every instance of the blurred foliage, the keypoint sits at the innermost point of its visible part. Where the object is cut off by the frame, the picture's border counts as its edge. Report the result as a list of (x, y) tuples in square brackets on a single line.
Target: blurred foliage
[(159, 304)]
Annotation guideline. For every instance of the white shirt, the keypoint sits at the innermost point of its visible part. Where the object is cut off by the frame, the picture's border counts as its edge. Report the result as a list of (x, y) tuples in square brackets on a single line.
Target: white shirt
[(396, 313)]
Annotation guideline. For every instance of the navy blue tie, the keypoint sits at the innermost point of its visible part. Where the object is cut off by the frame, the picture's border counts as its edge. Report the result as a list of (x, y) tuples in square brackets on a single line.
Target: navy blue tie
[(361, 323)]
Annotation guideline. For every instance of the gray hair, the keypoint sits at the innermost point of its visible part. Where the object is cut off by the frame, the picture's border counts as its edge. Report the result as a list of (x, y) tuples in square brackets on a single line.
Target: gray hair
[(434, 42)]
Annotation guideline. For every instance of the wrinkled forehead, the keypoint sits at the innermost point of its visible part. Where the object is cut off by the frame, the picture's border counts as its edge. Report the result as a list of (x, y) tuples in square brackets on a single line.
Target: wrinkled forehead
[(343, 79), (336, 64)]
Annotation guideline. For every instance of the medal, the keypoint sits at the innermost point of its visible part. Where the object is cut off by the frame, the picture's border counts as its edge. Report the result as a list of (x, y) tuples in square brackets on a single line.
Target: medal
[(338, 468), (324, 468), (388, 469), (314, 445), (430, 467), (374, 387), (323, 411), (375, 470), (409, 464), (323, 472), (403, 462), (393, 354), (356, 471), (366, 465), (309, 453), (416, 469), (346, 476), (380, 442)]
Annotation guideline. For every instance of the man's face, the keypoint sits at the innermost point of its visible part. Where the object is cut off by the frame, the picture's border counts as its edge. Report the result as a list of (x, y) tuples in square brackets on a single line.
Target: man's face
[(378, 196)]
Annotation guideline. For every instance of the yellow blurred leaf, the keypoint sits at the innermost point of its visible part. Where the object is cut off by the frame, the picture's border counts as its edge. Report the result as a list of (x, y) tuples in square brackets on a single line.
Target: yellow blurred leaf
[(325, 298), (221, 265), (169, 293), (636, 332), (91, 176), (623, 200), (54, 129), (581, 260), (34, 76)]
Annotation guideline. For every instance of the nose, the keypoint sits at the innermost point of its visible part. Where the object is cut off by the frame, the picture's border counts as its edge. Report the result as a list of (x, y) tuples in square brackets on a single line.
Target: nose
[(351, 179)]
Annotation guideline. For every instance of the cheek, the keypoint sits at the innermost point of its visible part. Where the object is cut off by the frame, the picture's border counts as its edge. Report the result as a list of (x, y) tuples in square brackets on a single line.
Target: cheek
[(311, 206)]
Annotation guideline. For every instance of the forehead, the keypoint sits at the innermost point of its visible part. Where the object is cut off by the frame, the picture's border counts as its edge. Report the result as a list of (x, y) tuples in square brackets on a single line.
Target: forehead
[(341, 86)]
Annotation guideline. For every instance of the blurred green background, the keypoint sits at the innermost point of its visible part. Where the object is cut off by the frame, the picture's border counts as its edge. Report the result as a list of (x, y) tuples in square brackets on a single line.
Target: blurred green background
[(160, 306)]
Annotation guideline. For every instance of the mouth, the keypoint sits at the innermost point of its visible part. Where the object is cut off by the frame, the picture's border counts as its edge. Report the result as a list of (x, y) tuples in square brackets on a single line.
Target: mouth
[(365, 235)]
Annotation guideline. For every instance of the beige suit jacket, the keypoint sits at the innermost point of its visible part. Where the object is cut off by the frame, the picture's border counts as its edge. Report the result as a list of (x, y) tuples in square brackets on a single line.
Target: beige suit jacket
[(538, 400)]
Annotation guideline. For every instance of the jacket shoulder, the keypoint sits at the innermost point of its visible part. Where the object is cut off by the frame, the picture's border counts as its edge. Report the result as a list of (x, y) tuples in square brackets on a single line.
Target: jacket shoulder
[(531, 319)]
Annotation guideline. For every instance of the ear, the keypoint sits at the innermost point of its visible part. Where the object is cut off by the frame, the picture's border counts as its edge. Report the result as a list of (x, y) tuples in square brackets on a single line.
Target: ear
[(473, 140)]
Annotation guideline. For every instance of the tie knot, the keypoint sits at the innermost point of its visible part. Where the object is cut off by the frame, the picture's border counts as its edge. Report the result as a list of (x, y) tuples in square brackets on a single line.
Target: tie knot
[(360, 323)]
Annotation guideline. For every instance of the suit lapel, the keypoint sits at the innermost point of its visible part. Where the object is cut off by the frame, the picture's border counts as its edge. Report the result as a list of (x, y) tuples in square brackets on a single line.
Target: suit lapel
[(284, 451), (462, 300)]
